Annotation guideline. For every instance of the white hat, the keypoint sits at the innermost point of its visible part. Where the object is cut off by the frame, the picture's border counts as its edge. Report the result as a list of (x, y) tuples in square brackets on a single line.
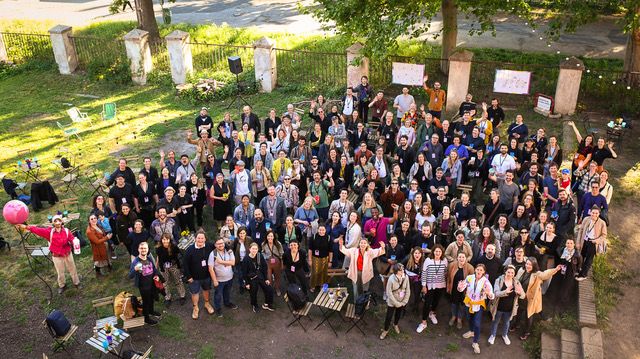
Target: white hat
[(57, 217)]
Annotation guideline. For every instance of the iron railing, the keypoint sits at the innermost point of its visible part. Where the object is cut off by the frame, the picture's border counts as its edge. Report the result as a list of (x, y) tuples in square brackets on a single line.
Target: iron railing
[(213, 57), (23, 47), (322, 69), (101, 51)]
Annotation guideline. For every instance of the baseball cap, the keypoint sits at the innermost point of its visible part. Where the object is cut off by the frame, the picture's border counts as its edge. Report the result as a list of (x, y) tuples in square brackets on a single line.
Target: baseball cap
[(57, 217), (565, 171)]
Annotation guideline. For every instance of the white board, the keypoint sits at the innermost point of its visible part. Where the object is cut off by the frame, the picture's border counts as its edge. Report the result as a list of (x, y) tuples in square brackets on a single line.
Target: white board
[(407, 74), (544, 103), (513, 82)]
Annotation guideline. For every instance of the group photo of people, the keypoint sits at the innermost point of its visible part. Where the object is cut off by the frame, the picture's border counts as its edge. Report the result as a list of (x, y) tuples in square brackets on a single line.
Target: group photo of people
[(478, 222)]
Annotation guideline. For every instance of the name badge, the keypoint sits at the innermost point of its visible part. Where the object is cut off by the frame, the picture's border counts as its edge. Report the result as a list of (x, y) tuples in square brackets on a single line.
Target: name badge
[(146, 199), (433, 155), (424, 178), (445, 140), (388, 136), (401, 160), (204, 263), (273, 261), (317, 253), (257, 235), (401, 294), (293, 268), (124, 200)]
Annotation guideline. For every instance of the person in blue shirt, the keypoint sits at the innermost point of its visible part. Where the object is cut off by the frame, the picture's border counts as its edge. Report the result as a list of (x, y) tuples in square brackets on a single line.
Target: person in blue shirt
[(518, 130), (463, 154), (258, 227)]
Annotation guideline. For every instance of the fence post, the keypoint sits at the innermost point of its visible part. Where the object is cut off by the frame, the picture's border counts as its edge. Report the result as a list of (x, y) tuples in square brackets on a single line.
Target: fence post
[(458, 81), (180, 58), (264, 60), (355, 72), (568, 86), (3, 50), (64, 49), (136, 42)]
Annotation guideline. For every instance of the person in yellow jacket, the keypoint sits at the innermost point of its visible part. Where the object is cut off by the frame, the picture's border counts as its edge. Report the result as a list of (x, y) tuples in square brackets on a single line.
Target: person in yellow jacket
[(248, 137), (531, 277), (484, 125), (281, 166)]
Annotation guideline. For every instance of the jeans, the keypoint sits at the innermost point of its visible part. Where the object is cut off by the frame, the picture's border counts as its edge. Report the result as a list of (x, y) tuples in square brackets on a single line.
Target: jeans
[(506, 318), (222, 293), (238, 274), (475, 321), (458, 310), (357, 285)]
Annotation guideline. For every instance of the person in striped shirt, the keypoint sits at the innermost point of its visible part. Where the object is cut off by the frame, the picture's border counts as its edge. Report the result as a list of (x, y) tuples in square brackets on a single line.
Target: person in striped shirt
[(433, 278)]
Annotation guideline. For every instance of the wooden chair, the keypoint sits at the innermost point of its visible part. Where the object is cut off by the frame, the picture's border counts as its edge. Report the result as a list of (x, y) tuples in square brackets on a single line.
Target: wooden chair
[(143, 356), (109, 111), (68, 131), (77, 116), (67, 203), (62, 341), (355, 318), (100, 303), (98, 183), (298, 314), (132, 323), (37, 251)]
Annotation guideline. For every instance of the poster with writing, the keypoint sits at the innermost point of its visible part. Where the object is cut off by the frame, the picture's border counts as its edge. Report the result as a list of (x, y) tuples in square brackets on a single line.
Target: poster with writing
[(513, 82), (407, 74)]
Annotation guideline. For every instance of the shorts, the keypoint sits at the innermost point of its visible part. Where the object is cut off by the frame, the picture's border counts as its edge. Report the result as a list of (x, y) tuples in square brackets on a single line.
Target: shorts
[(200, 284)]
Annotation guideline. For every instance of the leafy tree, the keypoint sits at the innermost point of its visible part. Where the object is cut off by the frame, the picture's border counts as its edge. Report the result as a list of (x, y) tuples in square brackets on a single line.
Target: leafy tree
[(144, 12)]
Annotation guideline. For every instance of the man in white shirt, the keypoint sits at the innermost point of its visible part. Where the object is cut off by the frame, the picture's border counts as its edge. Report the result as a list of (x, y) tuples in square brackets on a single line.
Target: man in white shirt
[(349, 103), (501, 164), (402, 103), (221, 262), (343, 206), (379, 162), (240, 182), (186, 168)]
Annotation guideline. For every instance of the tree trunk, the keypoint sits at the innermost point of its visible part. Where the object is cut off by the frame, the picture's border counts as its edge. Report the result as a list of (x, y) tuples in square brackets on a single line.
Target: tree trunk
[(449, 32), (147, 19), (632, 57)]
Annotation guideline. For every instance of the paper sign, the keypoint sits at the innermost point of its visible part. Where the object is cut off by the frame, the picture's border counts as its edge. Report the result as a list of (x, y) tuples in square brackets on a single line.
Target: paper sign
[(407, 74), (513, 82)]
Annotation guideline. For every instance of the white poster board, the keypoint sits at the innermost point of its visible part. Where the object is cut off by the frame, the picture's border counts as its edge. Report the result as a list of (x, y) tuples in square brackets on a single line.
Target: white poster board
[(544, 103), (407, 74), (513, 82)]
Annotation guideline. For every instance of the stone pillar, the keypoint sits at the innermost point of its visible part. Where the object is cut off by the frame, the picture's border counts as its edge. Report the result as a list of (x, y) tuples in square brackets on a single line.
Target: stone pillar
[(355, 72), (458, 82), (179, 56), (568, 86), (264, 60), (64, 49), (3, 50), (139, 53)]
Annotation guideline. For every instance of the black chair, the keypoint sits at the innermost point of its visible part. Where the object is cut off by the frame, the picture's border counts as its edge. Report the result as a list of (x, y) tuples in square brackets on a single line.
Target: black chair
[(298, 314)]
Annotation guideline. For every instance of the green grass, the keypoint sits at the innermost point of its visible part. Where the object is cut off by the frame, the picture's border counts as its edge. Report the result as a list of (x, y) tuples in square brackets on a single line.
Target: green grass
[(553, 326), (206, 352), (609, 278), (171, 327)]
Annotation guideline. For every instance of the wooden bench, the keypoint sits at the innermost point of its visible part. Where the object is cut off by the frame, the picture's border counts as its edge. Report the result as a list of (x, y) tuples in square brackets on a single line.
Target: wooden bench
[(353, 197), (143, 356), (103, 302), (135, 322)]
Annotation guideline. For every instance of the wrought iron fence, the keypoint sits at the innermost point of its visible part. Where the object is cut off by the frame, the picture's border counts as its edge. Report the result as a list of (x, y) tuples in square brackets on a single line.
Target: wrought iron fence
[(99, 51), (160, 56), (609, 89), (22, 47), (213, 57), (319, 69)]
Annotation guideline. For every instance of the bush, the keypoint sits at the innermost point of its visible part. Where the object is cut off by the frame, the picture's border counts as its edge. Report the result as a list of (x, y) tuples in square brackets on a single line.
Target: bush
[(197, 97), (116, 71)]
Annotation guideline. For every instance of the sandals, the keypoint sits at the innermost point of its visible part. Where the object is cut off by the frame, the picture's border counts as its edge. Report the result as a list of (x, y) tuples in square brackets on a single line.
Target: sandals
[(525, 336)]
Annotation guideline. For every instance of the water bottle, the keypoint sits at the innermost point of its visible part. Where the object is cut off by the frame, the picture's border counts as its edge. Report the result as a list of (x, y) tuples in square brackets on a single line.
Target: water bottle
[(76, 246), (105, 345)]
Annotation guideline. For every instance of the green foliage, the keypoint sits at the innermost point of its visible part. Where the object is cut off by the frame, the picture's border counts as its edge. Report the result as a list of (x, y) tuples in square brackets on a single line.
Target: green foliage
[(171, 327), (117, 71), (206, 352), (197, 97)]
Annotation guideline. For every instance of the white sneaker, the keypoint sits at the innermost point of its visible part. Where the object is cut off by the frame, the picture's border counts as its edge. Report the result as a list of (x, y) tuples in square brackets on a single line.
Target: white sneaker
[(476, 348), (506, 340), (433, 318), (468, 335), (492, 339), (421, 327), (384, 297)]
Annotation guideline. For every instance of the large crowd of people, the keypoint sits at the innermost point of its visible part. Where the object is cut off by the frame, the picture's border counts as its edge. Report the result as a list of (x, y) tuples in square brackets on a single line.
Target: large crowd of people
[(478, 212)]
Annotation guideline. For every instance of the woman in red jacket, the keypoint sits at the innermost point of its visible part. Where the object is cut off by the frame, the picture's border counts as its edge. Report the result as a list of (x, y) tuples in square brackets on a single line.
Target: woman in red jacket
[(98, 238)]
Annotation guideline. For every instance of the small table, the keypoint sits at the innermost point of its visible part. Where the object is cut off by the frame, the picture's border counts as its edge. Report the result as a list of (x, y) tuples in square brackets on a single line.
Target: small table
[(329, 306), (114, 349), (30, 172)]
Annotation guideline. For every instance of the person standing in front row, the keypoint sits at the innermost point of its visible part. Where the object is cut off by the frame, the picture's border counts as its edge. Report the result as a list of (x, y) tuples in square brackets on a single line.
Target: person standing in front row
[(398, 292), (221, 262), (60, 240), (145, 272), (478, 290), (196, 272), (361, 266), (254, 269)]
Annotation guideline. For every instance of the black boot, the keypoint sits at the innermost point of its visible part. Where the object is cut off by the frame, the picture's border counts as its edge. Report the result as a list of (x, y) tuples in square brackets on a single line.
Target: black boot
[(98, 273)]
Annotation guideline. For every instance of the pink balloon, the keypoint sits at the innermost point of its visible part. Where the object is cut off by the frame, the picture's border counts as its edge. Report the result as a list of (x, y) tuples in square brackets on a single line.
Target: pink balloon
[(15, 212)]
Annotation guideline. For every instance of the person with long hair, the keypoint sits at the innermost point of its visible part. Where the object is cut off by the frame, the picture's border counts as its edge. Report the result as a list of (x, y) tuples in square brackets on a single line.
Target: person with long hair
[(591, 239), (504, 306), (254, 269), (99, 248), (185, 210), (532, 279), (547, 244), (168, 255), (397, 292), (361, 264), (272, 251), (486, 238), (477, 290), (414, 266), (434, 283), (319, 257), (585, 150), (425, 217), (289, 232), (446, 226), (145, 199), (407, 212), (504, 234), (539, 224), (240, 250), (523, 240), (260, 181), (552, 153), (452, 168), (296, 266), (456, 273), (125, 220), (336, 232)]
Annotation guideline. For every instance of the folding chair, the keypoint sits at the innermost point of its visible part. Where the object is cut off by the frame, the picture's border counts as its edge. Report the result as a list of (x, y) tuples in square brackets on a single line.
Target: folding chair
[(77, 116), (354, 318), (100, 303), (586, 123), (298, 314), (63, 341), (109, 111), (37, 251), (135, 322), (68, 131), (131, 162), (143, 356), (97, 182), (10, 187)]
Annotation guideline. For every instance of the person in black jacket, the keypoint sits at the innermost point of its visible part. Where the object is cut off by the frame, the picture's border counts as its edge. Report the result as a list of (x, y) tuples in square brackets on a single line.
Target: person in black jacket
[(405, 234), (254, 269), (196, 272), (296, 266), (125, 172), (425, 240), (393, 253), (168, 255), (121, 193), (250, 118), (145, 272), (564, 214), (204, 121)]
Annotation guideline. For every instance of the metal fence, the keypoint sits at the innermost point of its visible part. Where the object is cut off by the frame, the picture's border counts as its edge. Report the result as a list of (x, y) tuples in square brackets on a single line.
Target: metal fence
[(212, 57), (23, 47), (160, 56), (609, 89), (320, 69), (100, 51)]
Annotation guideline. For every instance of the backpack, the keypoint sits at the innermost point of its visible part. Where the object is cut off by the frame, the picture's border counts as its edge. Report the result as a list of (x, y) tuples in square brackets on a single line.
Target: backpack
[(64, 162), (297, 298), (123, 305), (130, 354), (361, 303), (57, 323)]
